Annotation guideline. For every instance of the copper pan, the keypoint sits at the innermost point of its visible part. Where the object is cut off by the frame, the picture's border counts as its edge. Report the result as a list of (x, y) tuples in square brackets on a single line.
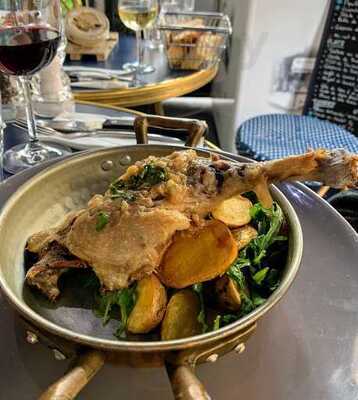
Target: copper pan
[(43, 201)]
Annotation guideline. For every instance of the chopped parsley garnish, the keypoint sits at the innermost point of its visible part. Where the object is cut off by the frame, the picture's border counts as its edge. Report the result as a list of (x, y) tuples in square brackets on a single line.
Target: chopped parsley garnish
[(150, 175), (121, 194), (102, 220)]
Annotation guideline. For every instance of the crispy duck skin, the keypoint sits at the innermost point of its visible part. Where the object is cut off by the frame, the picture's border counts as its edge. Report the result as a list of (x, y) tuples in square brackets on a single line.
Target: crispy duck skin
[(142, 218), (53, 262)]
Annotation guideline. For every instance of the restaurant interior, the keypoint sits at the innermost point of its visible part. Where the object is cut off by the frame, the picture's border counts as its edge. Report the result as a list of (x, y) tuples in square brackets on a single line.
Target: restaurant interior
[(179, 199)]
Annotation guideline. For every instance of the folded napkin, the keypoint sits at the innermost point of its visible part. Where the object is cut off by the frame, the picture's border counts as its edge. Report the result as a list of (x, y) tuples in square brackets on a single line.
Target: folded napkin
[(109, 139), (96, 142)]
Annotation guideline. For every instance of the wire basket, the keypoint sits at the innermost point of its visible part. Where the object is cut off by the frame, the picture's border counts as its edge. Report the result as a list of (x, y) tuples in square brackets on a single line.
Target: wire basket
[(194, 41)]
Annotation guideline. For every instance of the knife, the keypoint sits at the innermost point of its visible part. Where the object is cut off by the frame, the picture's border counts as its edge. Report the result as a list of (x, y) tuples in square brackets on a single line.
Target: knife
[(104, 71), (81, 76), (100, 84)]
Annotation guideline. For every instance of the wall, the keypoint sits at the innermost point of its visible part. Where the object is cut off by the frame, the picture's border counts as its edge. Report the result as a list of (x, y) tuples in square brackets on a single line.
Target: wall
[(264, 33), (206, 5)]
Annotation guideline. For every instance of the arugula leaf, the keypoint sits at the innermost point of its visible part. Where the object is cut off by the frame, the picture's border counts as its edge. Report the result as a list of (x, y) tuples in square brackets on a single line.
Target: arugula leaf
[(198, 289), (228, 319), (260, 275), (225, 319), (273, 279), (257, 299), (268, 222), (102, 220), (103, 306), (216, 324), (252, 268), (126, 301), (123, 299), (237, 275)]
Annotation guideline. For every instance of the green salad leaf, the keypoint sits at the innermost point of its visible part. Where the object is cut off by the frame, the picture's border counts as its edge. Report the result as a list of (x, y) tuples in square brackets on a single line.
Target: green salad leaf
[(198, 289), (254, 270), (109, 304), (236, 274), (216, 324), (223, 320)]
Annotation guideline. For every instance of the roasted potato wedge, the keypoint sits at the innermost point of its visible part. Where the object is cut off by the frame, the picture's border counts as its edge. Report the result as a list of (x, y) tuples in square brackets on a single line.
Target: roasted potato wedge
[(150, 306), (181, 316), (244, 235), (198, 255), (227, 294), (234, 212)]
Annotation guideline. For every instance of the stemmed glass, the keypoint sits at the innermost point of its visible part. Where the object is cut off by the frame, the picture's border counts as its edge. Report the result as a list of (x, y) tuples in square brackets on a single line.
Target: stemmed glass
[(138, 15), (29, 36)]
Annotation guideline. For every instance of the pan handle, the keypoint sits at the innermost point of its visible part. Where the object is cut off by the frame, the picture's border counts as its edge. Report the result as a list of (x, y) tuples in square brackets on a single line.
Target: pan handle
[(185, 384), (68, 387), (196, 128)]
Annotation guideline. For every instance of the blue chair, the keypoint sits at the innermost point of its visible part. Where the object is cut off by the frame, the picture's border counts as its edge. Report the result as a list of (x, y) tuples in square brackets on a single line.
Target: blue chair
[(272, 136)]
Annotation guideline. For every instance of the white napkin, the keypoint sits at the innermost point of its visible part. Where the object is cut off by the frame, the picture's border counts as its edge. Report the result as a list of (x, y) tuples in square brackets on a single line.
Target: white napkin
[(93, 142), (66, 115)]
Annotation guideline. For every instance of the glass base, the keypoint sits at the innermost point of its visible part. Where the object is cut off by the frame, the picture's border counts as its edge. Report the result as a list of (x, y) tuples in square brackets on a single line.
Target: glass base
[(154, 45), (27, 155), (140, 68)]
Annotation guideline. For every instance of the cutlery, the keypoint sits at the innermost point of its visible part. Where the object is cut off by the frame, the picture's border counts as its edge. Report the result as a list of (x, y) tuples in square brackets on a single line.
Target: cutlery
[(100, 84), (71, 125), (82, 76), (47, 131), (102, 71)]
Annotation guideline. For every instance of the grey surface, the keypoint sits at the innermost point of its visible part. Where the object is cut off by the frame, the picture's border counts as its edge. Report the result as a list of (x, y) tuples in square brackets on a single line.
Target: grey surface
[(305, 349)]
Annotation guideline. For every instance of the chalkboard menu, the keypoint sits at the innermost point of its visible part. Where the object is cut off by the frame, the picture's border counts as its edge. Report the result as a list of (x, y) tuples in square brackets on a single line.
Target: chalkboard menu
[(333, 92)]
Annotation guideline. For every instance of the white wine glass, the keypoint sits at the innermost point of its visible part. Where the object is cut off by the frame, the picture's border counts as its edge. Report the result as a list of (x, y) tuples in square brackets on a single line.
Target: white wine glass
[(29, 36), (138, 15)]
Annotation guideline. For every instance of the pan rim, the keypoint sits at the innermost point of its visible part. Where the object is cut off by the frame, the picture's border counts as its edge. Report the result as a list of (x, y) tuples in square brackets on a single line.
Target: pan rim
[(121, 345)]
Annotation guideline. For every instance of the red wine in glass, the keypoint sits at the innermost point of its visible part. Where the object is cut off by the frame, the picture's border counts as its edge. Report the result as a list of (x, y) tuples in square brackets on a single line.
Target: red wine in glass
[(25, 50), (30, 33)]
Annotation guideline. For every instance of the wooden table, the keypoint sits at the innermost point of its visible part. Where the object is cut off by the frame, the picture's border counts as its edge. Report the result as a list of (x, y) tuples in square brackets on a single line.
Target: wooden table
[(158, 86)]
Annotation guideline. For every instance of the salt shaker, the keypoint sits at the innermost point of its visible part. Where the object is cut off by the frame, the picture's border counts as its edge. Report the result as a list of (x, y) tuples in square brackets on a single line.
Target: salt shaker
[(51, 87)]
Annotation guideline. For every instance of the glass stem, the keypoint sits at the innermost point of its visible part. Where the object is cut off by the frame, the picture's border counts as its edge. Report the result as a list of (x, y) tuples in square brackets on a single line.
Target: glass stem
[(139, 48), (31, 124)]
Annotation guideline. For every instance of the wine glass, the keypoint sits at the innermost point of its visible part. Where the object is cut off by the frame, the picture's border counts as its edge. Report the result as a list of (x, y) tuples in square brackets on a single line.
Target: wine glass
[(138, 15), (30, 31)]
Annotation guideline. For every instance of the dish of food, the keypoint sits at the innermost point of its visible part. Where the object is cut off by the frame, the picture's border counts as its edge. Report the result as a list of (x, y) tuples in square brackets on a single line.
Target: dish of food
[(180, 244)]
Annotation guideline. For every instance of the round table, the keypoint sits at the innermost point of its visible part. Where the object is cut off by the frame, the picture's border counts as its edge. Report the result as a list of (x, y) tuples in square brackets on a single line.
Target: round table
[(306, 348), (158, 86)]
